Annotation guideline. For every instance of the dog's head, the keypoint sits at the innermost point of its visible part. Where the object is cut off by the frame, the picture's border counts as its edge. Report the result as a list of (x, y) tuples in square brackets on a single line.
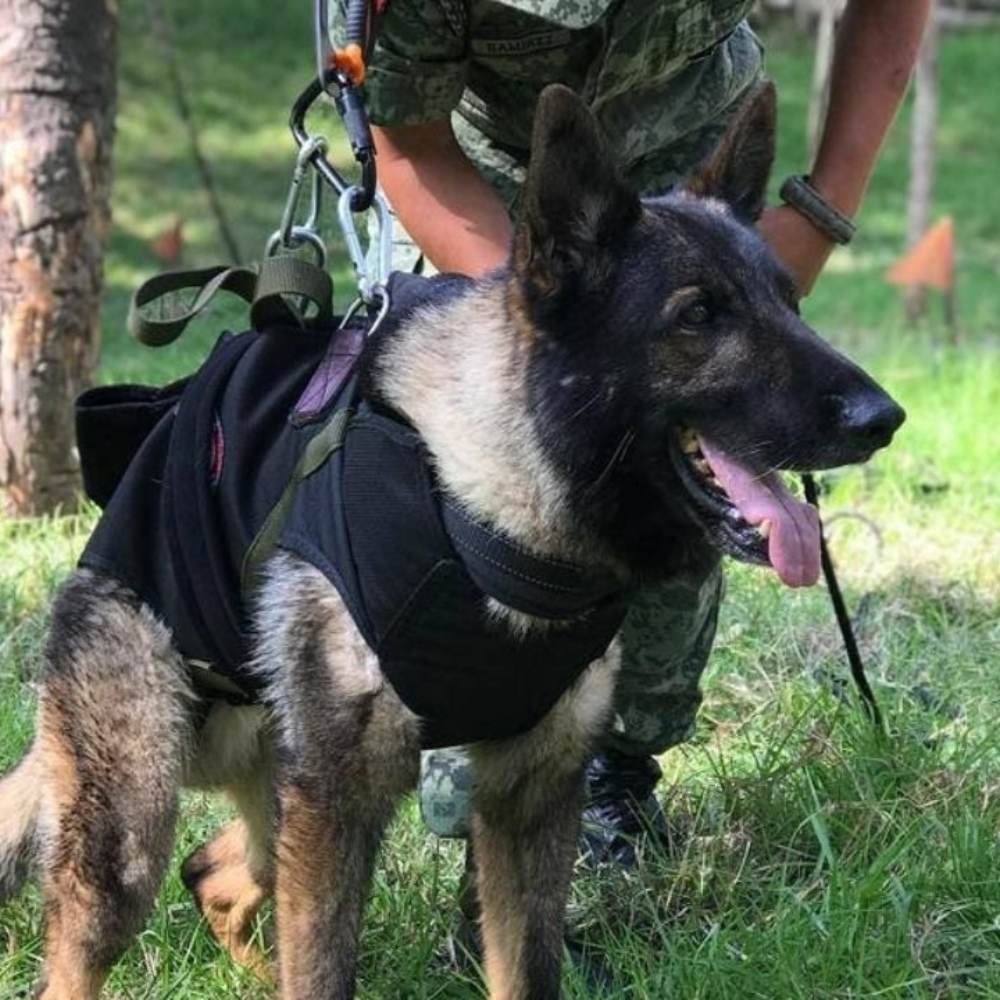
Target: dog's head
[(670, 372)]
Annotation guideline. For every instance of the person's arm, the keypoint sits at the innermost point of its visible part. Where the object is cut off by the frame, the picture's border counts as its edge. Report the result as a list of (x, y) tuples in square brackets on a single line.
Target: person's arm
[(876, 48), (451, 212)]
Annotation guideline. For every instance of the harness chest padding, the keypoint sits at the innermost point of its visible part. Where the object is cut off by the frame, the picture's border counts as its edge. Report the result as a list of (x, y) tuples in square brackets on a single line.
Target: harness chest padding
[(382, 544)]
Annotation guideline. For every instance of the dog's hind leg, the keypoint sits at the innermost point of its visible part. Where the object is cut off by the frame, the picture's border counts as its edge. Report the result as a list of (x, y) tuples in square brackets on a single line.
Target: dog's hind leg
[(527, 800), (346, 751), (232, 875), (113, 730)]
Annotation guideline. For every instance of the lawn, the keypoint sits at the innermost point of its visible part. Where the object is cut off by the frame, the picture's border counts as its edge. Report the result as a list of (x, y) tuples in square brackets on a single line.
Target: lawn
[(811, 860)]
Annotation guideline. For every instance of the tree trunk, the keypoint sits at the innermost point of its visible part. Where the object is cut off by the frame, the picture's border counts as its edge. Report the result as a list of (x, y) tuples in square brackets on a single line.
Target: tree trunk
[(922, 138), (819, 91), (57, 97)]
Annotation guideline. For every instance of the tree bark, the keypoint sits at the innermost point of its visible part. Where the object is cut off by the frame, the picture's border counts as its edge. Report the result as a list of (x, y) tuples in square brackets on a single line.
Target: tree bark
[(828, 14), (57, 98), (923, 129)]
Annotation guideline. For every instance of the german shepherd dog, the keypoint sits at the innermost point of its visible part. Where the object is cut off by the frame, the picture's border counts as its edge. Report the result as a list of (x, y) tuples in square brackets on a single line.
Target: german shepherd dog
[(620, 395)]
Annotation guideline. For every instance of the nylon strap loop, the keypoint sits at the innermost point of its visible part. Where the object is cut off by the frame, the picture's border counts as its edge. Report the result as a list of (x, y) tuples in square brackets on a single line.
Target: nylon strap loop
[(280, 278), (157, 332), (283, 276)]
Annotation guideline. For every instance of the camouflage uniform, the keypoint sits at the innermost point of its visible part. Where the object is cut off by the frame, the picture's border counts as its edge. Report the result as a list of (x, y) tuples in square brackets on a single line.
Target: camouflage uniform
[(663, 79)]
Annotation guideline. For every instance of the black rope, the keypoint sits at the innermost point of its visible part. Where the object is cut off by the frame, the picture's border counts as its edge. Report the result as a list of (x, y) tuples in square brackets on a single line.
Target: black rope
[(869, 701)]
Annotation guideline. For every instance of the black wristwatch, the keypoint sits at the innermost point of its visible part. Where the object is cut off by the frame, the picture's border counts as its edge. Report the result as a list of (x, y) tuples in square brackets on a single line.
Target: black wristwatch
[(798, 193)]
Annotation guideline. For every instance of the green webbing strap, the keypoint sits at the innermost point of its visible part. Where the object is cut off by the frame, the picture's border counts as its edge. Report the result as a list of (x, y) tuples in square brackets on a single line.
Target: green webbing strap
[(156, 332), (286, 275), (319, 448), (266, 292)]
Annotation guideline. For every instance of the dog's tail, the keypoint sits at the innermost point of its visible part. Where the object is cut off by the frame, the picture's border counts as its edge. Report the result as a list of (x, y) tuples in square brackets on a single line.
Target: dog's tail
[(20, 801)]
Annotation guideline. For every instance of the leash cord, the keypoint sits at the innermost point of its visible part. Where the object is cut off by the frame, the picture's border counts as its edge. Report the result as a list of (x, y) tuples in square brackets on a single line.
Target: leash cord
[(869, 701)]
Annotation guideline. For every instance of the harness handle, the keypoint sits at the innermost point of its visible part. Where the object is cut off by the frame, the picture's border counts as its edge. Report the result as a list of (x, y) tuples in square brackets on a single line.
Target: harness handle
[(268, 292)]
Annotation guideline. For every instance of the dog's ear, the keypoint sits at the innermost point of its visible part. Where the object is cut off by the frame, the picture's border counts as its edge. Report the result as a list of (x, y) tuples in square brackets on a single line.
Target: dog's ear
[(575, 204), (738, 170)]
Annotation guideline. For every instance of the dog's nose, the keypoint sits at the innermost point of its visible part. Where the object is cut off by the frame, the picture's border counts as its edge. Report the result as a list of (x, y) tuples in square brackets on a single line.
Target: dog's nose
[(868, 419)]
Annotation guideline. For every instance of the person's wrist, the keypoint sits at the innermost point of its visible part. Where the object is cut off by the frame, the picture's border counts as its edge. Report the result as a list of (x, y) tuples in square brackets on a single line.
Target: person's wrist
[(836, 189), (798, 244)]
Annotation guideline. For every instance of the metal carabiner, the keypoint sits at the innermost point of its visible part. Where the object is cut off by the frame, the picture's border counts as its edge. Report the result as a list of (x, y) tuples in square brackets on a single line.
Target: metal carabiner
[(371, 280), (288, 234), (381, 292), (298, 236)]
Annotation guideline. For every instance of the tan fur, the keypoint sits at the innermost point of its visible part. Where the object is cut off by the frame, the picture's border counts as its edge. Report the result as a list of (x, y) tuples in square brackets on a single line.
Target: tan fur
[(527, 809), (21, 791), (232, 743), (69, 972), (130, 741), (441, 379), (230, 893), (301, 865), (331, 823)]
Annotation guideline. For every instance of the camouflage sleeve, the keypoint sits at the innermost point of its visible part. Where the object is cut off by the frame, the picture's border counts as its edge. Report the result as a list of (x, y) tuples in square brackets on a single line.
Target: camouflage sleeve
[(417, 70)]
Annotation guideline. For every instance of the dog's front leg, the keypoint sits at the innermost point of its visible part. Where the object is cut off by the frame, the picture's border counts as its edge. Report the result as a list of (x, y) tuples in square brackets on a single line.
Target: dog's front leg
[(334, 802), (528, 797), (525, 858), (346, 749)]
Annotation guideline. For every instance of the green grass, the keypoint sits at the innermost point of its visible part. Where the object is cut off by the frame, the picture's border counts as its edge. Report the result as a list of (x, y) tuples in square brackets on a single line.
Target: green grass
[(811, 862)]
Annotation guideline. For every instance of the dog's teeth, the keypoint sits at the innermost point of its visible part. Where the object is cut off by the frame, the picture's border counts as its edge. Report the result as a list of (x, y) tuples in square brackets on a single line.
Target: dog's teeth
[(689, 441), (764, 529), (703, 467)]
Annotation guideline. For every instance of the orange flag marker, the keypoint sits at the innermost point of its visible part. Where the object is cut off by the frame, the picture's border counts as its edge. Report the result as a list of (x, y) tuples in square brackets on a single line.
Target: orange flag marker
[(931, 260)]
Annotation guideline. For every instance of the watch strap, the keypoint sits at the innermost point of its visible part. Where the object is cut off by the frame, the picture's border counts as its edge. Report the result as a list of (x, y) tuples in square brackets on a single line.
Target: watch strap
[(799, 194)]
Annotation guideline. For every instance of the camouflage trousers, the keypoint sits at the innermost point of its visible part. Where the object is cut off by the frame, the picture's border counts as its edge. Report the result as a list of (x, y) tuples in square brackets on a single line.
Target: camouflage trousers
[(665, 641)]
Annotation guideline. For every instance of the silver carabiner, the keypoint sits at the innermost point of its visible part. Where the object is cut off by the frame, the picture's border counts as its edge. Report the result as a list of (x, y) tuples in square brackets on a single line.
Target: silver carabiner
[(371, 280), (381, 292), (288, 234), (296, 237)]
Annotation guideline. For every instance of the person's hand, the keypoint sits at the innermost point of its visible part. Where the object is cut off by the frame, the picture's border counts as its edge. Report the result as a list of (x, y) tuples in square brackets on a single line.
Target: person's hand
[(798, 244)]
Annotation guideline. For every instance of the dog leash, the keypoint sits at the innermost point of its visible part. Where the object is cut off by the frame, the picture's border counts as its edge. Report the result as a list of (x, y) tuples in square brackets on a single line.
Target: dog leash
[(868, 700)]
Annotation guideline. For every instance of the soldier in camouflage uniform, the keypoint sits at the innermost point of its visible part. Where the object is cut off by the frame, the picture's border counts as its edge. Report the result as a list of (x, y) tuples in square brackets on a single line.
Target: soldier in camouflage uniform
[(663, 79)]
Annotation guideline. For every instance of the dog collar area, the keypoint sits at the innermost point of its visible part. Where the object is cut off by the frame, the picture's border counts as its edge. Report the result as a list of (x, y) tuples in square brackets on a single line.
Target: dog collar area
[(533, 584)]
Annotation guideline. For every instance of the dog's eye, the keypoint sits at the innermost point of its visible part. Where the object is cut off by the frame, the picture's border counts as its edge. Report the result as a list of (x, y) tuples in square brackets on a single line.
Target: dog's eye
[(699, 313)]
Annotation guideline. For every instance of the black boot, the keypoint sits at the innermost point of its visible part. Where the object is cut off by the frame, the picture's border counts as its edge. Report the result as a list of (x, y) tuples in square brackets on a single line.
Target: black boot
[(622, 813)]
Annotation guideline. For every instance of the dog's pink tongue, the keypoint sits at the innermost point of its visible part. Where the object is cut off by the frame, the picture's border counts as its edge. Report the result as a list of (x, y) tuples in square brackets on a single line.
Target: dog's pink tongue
[(793, 544)]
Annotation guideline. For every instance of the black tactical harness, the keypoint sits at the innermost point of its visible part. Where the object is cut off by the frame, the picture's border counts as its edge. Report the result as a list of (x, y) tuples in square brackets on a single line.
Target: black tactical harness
[(273, 445)]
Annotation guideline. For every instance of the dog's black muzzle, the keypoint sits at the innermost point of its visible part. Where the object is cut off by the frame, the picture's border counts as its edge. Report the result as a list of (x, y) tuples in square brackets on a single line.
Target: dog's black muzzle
[(867, 421)]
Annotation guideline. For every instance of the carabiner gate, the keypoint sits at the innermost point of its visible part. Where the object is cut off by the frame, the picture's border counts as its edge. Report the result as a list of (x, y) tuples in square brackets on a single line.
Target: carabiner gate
[(371, 270)]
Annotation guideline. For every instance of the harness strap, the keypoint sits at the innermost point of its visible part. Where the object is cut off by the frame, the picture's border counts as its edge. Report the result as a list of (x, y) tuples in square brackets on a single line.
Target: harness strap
[(525, 581), (320, 447), (215, 685), (267, 291)]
